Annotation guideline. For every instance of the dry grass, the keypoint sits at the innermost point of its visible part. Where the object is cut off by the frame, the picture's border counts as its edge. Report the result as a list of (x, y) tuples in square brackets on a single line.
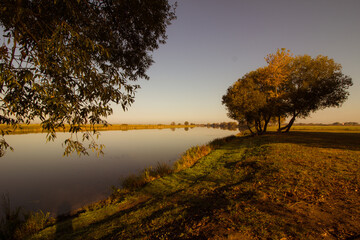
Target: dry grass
[(191, 156), (321, 128)]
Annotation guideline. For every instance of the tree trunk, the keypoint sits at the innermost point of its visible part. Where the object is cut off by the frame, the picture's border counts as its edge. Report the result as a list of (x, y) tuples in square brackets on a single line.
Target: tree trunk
[(290, 123), (260, 128), (257, 126), (266, 124), (279, 122), (249, 128), (285, 126)]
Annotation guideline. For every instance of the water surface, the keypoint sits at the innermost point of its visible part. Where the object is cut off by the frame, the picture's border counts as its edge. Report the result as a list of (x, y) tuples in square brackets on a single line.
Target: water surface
[(37, 177)]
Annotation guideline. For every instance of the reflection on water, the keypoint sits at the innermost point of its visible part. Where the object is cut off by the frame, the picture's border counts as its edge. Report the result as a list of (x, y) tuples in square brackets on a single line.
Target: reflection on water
[(36, 176)]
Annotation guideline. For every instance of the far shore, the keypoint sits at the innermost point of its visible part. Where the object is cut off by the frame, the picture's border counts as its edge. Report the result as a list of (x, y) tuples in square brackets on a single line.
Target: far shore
[(36, 128)]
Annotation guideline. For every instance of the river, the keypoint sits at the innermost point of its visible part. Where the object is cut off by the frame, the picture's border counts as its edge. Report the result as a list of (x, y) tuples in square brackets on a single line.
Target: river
[(37, 177)]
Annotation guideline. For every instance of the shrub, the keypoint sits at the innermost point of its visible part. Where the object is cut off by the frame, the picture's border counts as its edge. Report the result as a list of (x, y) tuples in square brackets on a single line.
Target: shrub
[(15, 224), (133, 181), (191, 156), (10, 219), (34, 222)]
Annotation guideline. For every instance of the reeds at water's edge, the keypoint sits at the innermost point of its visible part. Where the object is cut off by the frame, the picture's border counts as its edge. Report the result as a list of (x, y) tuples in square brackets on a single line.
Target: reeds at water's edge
[(187, 159), (17, 224)]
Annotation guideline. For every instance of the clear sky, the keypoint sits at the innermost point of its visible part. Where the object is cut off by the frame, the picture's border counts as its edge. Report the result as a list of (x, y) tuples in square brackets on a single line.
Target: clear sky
[(214, 42)]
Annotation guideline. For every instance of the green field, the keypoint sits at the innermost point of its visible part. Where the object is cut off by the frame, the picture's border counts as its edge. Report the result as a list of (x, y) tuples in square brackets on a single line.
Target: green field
[(321, 128), (302, 185), (324, 128)]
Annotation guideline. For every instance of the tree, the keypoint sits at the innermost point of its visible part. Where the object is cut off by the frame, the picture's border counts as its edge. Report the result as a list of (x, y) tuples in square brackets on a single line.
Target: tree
[(65, 61), (314, 84), (186, 123), (246, 101), (288, 87), (278, 71)]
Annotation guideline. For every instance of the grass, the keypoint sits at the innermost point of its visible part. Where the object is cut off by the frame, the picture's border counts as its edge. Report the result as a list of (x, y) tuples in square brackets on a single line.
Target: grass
[(327, 128), (136, 181), (321, 128), (302, 185), (189, 158)]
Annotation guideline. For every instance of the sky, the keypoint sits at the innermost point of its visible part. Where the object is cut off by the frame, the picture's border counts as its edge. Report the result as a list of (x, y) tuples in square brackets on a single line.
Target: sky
[(212, 43)]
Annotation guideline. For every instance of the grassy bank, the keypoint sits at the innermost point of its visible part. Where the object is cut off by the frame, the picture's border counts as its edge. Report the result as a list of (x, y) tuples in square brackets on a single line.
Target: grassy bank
[(36, 128), (302, 185)]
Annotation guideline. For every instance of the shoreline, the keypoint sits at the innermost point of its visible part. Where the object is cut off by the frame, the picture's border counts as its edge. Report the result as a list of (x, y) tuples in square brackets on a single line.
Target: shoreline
[(36, 128), (226, 191)]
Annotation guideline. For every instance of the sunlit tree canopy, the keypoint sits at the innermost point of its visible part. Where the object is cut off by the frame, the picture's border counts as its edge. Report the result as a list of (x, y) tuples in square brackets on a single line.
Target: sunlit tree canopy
[(289, 86)]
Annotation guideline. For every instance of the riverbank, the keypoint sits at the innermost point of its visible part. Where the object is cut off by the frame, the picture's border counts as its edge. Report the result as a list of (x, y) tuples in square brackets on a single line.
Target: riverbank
[(302, 185)]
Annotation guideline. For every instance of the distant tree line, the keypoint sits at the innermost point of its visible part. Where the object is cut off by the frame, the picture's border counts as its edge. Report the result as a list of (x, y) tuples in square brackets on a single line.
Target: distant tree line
[(223, 125), (186, 123), (334, 124), (346, 123)]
